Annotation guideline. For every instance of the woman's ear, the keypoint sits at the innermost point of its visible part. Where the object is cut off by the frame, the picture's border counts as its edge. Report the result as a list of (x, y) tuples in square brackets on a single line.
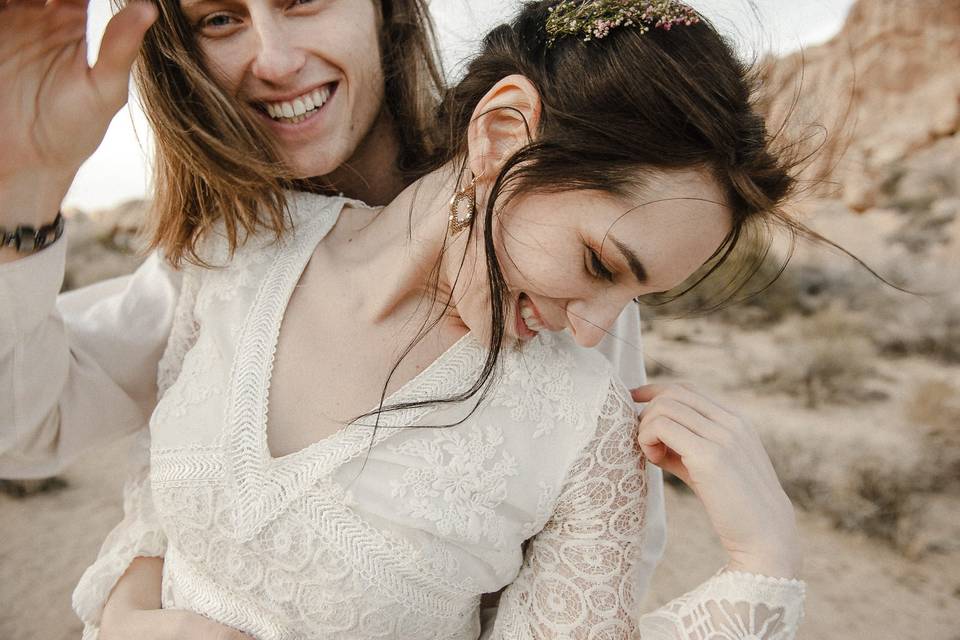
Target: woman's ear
[(505, 120)]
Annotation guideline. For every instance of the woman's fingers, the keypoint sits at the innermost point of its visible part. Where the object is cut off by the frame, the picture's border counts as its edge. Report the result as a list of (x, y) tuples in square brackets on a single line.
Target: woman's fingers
[(667, 442), (686, 394), (118, 50), (685, 415)]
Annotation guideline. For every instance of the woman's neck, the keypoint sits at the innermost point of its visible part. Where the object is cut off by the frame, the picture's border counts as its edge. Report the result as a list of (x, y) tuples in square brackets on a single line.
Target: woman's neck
[(393, 254)]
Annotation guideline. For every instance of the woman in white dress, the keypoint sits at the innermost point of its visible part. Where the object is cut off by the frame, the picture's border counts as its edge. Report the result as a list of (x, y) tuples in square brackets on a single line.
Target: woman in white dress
[(321, 530)]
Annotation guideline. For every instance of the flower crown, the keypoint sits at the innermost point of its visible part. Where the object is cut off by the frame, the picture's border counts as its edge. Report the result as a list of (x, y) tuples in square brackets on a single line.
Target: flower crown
[(594, 19)]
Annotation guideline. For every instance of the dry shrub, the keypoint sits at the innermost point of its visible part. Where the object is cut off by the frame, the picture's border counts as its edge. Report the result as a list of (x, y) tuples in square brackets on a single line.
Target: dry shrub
[(827, 359), (935, 405), (881, 503), (862, 492), (927, 327)]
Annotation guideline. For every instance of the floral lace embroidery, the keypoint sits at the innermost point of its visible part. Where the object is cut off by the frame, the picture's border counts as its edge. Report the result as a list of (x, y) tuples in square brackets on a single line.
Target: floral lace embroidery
[(299, 572), (183, 334), (461, 485), (545, 501), (193, 386), (537, 387)]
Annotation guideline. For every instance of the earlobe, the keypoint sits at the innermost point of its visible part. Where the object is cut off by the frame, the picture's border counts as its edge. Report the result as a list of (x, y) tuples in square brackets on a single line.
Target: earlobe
[(504, 121)]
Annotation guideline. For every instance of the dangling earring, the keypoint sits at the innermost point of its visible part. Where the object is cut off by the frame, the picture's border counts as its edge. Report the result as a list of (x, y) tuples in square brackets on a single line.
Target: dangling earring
[(463, 207)]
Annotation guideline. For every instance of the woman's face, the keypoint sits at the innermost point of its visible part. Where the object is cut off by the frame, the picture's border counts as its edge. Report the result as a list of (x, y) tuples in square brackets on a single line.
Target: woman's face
[(575, 260), (308, 69)]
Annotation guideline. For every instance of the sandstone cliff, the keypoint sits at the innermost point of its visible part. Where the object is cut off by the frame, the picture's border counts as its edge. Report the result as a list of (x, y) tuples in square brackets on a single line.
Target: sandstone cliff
[(886, 86)]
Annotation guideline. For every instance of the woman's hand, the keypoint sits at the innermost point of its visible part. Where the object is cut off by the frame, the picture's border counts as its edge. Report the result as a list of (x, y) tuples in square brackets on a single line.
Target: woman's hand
[(55, 109), (132, 611), (720, 457)]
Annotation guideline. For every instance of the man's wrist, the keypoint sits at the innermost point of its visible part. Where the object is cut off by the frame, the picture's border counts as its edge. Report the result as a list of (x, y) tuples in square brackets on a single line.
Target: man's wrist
[(32, 198), (27, 239)]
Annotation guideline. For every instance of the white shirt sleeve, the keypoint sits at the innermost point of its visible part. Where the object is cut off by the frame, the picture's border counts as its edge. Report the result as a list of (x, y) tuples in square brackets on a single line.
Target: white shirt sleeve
[(623, 347), (79, 369)]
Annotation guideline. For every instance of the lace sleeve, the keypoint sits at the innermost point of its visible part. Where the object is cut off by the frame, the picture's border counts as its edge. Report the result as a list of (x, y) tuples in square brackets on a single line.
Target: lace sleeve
[(582, 575), (138, 534), (730, 606)]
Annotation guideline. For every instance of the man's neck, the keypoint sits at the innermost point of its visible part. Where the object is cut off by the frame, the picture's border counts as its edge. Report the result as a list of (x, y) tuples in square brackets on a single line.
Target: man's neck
[(371, 174)]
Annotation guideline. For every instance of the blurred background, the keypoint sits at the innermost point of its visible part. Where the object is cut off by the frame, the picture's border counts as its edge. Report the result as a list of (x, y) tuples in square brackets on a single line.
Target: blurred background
[(853, 385)]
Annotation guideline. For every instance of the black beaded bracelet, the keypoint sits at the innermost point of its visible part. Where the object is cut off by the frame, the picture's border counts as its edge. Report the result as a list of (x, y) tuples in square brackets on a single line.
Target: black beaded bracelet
[(27, 239)]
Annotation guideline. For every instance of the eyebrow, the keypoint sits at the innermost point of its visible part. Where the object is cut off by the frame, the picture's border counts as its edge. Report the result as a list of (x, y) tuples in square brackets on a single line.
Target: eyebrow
[(632, 261)]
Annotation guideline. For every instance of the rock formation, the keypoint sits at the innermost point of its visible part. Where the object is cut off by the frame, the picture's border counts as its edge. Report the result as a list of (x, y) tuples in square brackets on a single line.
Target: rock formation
[(886, 86)]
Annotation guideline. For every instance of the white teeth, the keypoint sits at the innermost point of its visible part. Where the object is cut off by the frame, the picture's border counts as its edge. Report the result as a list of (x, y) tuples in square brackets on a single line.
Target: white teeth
[(530, 318), (294, 109)]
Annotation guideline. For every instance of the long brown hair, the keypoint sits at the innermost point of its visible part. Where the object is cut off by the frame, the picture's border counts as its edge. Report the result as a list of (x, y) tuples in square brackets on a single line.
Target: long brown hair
[(215, 162)]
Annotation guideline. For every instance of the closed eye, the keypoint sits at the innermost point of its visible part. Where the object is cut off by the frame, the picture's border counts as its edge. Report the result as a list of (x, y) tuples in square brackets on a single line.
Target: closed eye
[(596, 268)]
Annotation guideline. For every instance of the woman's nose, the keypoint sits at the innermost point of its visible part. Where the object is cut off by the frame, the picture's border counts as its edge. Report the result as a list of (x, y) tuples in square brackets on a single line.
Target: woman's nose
[(277, 60), (591, 321)]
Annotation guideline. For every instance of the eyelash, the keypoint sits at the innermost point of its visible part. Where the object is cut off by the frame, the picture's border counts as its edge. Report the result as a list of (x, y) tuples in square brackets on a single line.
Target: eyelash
[(208, 21), (596, 267)]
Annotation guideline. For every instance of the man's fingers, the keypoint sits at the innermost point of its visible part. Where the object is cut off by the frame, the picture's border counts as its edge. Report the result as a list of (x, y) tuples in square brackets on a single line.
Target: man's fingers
[(121, 42)]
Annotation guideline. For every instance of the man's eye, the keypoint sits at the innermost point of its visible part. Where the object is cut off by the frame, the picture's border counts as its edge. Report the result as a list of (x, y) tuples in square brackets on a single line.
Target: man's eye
[(215, 21), (596, 267)]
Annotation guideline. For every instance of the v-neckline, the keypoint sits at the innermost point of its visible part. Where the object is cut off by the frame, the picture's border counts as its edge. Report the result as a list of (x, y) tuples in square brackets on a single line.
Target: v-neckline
[(265, 484)]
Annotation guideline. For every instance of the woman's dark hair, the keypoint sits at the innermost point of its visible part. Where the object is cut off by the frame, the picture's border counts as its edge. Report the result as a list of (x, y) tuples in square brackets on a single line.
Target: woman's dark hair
[(629, 104)]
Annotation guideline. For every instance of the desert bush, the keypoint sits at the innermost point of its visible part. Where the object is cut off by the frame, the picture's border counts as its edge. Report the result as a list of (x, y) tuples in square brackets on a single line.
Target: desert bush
[(934, 407), (863, 493), (825, 359), (926, 326)]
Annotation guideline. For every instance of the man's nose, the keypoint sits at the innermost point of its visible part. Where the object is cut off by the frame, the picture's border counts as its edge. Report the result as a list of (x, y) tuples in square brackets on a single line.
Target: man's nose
[(277, 60)]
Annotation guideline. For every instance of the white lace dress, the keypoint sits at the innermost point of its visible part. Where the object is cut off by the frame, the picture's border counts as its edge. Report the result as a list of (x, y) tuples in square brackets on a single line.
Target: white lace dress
[(397, 532)]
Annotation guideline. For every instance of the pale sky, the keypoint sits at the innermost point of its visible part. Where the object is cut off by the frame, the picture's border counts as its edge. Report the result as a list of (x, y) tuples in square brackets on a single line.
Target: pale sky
[(118, 170)]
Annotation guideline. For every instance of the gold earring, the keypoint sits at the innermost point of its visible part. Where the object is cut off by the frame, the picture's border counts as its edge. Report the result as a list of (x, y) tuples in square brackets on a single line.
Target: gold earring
[(463, 207)]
